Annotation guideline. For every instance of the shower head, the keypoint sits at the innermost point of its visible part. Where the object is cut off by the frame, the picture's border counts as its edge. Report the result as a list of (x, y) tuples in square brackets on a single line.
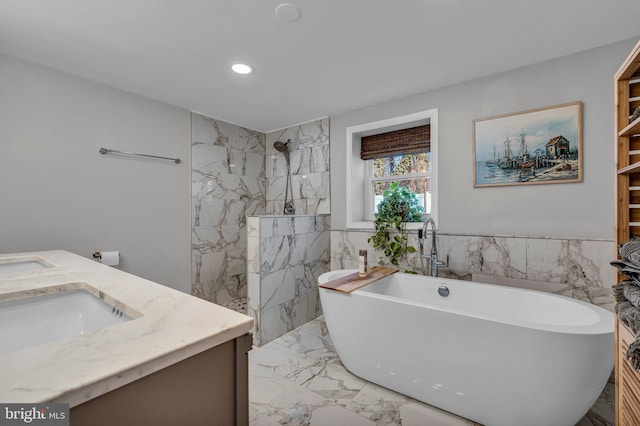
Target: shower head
[(282, 146)]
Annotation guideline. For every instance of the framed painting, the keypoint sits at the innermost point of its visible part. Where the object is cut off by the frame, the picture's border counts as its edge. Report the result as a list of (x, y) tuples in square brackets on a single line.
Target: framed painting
[(538, 146)]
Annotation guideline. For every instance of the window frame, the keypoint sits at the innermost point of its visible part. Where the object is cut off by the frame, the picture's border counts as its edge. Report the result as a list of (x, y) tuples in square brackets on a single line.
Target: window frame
[(356, 204)]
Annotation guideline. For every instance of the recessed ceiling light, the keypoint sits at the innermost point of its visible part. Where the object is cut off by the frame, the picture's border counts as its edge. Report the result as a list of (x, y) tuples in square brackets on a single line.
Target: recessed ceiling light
[(288, 12), (242, 68)]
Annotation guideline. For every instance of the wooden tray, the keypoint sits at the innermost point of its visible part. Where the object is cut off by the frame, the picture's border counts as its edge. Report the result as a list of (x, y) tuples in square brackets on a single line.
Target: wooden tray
[(352, 282)]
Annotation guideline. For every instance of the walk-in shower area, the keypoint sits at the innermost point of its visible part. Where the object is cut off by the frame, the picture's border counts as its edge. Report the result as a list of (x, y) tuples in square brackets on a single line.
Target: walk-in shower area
[(259, 214)]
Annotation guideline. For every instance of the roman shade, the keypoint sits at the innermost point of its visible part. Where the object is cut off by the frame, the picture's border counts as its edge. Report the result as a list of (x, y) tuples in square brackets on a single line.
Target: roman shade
[(407, 141)]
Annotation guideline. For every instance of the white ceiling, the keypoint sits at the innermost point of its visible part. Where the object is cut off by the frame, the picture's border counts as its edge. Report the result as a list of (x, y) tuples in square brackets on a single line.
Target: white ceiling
[(340, 56)]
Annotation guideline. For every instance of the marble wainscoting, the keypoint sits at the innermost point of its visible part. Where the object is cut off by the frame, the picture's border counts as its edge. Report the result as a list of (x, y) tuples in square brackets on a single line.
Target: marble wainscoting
[(227, 176), (309, 154), (570, 267), (286, 254)]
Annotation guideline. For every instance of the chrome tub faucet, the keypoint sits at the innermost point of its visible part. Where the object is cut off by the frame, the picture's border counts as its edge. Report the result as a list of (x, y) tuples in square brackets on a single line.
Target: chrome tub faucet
[(434, 263)]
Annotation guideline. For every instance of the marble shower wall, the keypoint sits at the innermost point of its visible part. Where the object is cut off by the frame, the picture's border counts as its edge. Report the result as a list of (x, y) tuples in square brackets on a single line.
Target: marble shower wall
[(574, 268), (228, 183), (309, 153), (286, 254)]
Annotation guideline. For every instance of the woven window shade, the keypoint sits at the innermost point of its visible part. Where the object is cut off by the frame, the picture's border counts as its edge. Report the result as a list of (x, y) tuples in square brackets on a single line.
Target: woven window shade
[(407, 141)]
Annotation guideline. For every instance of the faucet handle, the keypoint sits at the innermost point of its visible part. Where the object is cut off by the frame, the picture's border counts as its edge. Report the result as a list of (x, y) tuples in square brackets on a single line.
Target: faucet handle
[(440, 263), (420, 234)]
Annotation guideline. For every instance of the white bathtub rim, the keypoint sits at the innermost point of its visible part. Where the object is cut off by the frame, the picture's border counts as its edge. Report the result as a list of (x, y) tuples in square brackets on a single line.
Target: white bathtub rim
[(604, 325)]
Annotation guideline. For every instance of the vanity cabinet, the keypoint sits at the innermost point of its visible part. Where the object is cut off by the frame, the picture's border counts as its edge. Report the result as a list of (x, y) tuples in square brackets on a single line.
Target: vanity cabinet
[(180, 360), (627, 99), (210, 388)]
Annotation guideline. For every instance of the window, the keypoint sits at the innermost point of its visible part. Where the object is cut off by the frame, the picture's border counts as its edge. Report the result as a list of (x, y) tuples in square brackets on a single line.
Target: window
[(367, 179), (409, 170)]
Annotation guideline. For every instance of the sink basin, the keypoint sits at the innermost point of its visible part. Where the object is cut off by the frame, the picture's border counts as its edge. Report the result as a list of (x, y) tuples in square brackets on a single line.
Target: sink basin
[(35, 320), (22, 265)]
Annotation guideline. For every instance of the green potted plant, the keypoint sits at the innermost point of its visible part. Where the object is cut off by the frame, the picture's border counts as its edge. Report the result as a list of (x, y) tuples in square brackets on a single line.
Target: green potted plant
[(398, 206)]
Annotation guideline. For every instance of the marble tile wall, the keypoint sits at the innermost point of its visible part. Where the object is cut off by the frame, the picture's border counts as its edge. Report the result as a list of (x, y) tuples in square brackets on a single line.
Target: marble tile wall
[(285, 256), (309, 153), (228, 183), (574, 268)]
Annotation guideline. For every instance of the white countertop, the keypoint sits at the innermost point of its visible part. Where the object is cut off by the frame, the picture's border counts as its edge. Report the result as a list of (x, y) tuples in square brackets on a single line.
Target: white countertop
[(173, 327)]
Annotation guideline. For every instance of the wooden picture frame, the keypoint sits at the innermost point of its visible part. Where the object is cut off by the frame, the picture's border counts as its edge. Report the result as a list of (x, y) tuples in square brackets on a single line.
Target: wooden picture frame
[(537, 146)]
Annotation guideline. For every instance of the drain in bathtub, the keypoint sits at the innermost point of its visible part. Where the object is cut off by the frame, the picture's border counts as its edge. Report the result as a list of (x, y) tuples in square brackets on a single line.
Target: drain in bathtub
[(443, 291)]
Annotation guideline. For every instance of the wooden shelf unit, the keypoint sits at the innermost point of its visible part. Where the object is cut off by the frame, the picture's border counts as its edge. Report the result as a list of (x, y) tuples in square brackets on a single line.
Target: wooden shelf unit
[(627, 401), (627, 99), (630, 169), (632, 129)]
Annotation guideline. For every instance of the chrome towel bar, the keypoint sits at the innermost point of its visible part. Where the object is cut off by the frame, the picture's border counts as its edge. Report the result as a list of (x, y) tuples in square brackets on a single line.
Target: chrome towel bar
[(113, 151)]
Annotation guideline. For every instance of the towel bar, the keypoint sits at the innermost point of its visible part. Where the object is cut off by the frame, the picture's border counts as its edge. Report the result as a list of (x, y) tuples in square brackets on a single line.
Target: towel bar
[(113, 151)]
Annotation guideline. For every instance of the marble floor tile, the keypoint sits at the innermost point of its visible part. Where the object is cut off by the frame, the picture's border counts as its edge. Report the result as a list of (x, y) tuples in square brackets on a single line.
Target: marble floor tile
[(418, 414), (298, 379), (271, 356), (295, 406), (378, 404), (238, 305), (603, 411), (265, 386), (334, 382), (336, 415)]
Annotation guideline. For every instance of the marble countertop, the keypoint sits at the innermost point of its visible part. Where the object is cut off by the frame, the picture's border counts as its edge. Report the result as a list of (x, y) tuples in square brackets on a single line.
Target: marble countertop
[(168, 326)]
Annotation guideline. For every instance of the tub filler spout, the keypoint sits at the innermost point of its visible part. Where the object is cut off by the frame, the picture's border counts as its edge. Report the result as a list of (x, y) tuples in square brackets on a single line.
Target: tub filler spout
[(434, 263)]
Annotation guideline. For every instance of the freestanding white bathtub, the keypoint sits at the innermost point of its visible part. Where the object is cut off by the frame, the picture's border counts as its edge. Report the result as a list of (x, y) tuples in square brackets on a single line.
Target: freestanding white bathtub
[(496, 355)]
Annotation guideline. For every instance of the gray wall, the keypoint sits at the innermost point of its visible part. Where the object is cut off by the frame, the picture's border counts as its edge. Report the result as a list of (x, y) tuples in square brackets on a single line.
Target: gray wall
[(58, 192), (579, 210)]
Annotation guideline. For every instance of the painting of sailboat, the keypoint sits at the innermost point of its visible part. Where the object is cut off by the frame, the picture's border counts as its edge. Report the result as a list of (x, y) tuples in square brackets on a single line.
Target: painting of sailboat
[(538, 146)]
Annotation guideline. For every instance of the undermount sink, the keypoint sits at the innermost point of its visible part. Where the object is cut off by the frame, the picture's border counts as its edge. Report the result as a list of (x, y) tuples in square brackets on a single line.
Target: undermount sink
[(35, 320), (22, 265)]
